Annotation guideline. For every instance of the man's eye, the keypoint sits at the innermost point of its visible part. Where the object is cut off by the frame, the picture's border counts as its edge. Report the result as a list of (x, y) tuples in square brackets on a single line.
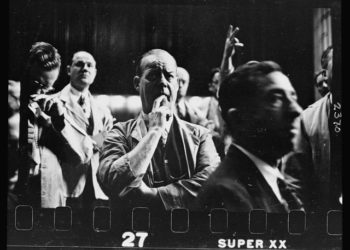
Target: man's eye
[(170, 76), (151, 76), (294, 97), (79, 64), (276, 99)]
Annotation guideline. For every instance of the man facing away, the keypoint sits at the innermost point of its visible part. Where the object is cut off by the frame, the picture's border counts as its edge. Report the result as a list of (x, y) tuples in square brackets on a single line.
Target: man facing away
[(156, 160), (260, 107)]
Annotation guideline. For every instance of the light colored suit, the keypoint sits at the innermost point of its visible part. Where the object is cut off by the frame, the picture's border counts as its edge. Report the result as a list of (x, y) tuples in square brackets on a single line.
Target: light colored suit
[(313, 144), (66, 155)]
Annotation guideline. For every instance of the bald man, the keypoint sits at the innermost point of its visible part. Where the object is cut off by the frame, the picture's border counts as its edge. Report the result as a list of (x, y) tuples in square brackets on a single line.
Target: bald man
[(70, 179), (156, 160), (184, 110)]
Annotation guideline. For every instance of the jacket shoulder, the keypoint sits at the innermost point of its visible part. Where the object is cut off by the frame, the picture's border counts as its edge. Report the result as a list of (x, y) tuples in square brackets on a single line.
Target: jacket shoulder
[(125, 127), (316, 105), (315, 111)]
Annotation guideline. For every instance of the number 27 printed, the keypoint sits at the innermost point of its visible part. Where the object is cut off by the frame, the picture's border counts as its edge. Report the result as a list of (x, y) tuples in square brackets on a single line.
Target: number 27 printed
[(129, 238)]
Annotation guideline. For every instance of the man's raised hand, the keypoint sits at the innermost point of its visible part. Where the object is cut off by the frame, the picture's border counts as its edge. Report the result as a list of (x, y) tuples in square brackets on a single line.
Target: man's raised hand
[(160, 113)]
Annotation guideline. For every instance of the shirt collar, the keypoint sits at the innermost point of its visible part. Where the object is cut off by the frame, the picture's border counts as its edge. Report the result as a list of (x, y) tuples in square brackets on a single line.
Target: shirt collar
[(270, 173), (78, 93)]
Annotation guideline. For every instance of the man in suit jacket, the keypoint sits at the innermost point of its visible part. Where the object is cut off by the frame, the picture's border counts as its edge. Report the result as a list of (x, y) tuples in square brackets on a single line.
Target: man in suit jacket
[(320, 141), (70, 143), (156, 160), (260, 107)]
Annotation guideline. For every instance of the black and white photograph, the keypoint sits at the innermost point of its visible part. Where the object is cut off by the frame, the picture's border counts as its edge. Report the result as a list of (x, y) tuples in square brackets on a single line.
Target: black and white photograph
[(164, 124)]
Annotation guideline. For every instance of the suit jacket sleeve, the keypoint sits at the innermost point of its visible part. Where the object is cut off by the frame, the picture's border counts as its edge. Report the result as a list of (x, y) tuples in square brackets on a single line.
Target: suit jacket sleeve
[(300, 166), (114, 174)]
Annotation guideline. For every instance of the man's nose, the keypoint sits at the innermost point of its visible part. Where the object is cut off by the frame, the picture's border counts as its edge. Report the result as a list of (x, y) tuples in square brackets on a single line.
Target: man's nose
[(163, 81), (294, 108), (85, 66)]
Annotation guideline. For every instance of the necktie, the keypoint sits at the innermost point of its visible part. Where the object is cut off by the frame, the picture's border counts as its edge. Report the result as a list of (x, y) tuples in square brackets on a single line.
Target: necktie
[(87, 113), (81, 101), (291, 201), (83, 105)]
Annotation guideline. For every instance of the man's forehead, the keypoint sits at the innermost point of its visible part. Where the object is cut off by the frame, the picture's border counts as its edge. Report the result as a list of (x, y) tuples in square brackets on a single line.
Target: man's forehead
[(83, 56), (159, 59), (278, 80), (182, 73)]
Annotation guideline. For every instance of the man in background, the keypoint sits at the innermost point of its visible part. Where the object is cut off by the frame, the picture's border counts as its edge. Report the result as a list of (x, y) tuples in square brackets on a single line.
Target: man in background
[(70, 147), (319, 141), (184, 110), (321, 77)]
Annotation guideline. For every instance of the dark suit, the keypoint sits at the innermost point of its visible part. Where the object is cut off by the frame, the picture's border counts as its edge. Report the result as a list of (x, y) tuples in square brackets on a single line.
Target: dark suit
[(238, 186)]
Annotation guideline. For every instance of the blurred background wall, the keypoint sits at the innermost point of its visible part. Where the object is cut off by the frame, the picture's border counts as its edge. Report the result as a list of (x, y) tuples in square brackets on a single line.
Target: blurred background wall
[(117, 32)]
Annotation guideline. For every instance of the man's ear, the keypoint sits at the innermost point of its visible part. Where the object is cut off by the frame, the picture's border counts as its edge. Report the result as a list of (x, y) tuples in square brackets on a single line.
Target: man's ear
[(233, 116), (68, 70), (137, 83)]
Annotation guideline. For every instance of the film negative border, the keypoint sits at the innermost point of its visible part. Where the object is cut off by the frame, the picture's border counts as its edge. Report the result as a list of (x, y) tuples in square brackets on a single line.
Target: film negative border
[(142, 227)]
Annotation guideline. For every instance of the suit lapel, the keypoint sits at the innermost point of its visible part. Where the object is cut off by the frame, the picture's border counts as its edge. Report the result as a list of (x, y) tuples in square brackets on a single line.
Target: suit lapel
[(262, 195), (97, 116), (75, 110)]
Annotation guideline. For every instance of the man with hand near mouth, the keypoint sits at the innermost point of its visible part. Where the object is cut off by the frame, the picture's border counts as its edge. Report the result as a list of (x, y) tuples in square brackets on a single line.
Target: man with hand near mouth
[(156, 160)]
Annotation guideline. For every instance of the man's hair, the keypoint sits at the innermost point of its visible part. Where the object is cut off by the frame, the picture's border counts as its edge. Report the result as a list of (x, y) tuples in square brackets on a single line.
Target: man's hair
[(184, 71), (44, 56), (240, 88), (80, 51), (150, 52), (325, 58)]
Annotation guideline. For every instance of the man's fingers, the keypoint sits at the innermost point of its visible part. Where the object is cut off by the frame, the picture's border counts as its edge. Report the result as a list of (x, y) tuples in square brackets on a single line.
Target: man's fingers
[(38, 97), (50, 105), (236, 42), (229, 32), (235, 31), (164, 109), (158, 102)]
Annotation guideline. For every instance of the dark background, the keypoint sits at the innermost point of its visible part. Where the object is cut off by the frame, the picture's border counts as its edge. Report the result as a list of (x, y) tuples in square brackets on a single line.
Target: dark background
[(118, 32)]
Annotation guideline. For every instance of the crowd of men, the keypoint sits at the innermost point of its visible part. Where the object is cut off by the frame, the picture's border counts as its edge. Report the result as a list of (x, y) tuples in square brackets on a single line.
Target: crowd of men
[(255, 148)]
